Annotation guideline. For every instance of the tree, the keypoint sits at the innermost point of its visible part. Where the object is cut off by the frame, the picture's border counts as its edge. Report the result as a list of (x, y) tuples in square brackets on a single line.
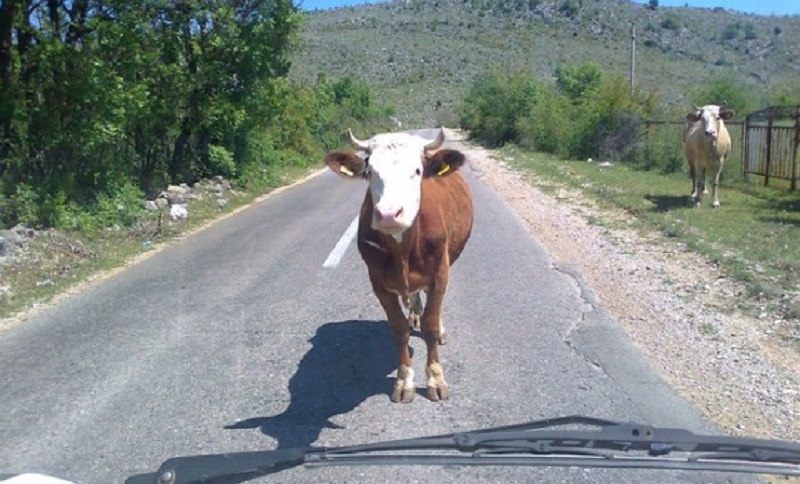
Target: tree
[(98, 95)]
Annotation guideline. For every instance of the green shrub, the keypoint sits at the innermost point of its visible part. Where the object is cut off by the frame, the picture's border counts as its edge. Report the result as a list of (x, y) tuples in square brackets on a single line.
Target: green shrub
[(722, 90), (750, 31), (578, 81), (670, 22), (660, 150), (584, 114), (546, 126), (731, 31), (494, 103), (570, 8), (122, 206), (25, 205)]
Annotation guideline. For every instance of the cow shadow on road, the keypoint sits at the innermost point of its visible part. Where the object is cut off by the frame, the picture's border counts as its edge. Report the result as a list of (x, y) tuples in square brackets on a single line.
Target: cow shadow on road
[(666, 203), (349, 362)]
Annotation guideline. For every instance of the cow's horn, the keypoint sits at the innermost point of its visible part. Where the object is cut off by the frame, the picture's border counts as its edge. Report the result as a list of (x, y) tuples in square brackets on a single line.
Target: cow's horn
[(357, 143), (696, 107), (437, 142)]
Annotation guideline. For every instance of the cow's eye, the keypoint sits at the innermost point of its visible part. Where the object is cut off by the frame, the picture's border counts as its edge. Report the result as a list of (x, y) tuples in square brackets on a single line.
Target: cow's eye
[(417, 172)]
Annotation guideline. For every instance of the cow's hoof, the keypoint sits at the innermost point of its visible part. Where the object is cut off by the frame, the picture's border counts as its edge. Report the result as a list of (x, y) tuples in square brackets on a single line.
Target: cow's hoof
[(437, 387), (403, 395), (414, 320), (438, 393), (715, 205), (443, 338)]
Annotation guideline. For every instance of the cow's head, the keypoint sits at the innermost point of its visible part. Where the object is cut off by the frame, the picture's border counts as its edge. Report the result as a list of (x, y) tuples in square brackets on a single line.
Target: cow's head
[(395, 164), (710, 115)]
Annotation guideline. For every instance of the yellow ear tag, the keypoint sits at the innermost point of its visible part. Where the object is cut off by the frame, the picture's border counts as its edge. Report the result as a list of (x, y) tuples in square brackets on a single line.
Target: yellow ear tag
[(444, 169), (347, 171)]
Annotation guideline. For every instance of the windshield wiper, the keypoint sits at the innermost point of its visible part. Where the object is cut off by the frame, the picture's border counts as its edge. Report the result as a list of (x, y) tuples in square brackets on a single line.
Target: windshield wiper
[(541, 443)]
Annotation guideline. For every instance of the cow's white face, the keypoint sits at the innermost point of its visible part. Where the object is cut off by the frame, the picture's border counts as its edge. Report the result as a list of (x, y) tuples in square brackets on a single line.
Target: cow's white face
[(395, 164), (710, 116)]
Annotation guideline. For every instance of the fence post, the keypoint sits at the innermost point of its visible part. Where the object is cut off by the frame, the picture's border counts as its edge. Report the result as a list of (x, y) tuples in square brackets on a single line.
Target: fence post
[(744, 151), (796, 145), (769, 149)]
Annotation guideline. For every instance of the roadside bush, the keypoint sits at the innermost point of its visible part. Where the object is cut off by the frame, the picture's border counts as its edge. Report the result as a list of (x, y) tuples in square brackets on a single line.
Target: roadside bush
[(577, 82), (24, 206), (731, 31), (671, 22), (584, 114), (546, 126), (221, 161), (609, 120), (493, 105), (660, 150), (569, 8), (750, 31), (724, 90)]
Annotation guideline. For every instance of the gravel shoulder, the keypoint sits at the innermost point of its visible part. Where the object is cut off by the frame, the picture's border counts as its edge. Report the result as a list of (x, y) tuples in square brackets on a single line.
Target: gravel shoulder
[(673, 303)]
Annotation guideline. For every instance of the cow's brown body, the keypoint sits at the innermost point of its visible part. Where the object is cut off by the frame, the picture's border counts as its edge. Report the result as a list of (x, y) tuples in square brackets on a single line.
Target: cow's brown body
[(401, 266)]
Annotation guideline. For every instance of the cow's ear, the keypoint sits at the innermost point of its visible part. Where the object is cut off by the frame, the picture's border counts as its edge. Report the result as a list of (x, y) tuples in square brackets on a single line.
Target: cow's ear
[(442, 162), (346, 163), (693, 117), (726, 113)]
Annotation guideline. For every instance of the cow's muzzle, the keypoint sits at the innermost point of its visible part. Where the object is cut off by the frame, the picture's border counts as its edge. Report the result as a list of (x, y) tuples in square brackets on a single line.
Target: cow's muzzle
[(388, 219)]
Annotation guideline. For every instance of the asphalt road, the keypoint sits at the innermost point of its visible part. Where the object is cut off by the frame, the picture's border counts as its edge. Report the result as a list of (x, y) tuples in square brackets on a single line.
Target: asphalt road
[(237, 338)]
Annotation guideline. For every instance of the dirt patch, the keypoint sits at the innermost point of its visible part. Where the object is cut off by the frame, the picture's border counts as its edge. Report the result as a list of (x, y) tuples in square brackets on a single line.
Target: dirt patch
[(675, 304)]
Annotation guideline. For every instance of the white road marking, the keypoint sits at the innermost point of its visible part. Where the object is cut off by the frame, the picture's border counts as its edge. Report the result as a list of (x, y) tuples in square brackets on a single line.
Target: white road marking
[(341, 247)]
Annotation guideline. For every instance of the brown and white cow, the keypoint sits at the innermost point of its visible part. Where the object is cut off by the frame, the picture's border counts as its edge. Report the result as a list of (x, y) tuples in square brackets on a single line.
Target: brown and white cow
[(415, 220), (706, 143)]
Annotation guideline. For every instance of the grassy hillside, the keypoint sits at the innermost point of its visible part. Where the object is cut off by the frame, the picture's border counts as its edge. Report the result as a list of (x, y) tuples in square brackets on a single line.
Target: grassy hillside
[(421, 54)]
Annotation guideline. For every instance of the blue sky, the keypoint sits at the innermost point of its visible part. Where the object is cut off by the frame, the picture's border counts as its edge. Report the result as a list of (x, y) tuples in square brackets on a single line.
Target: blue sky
[(323, 4), (763, 7)]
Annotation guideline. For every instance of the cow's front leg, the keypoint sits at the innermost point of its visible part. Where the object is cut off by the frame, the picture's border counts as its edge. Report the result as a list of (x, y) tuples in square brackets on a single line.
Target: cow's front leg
[(694, 181), (714, 184), (700, 187), (432, 333), (442, 332), (404, 390)]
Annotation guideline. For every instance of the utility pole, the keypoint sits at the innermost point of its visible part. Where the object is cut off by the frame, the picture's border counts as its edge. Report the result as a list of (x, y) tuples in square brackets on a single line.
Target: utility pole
[(633, 55)]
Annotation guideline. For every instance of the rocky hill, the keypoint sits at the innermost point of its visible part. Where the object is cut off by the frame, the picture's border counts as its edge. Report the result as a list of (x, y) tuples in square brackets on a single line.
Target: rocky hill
[(421, 54)]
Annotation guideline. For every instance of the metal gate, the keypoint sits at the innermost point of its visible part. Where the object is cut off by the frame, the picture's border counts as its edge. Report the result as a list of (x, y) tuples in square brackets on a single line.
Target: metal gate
[(771, 142)]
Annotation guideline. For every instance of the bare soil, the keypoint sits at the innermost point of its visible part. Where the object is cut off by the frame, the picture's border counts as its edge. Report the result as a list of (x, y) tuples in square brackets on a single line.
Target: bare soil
[(675, 304)]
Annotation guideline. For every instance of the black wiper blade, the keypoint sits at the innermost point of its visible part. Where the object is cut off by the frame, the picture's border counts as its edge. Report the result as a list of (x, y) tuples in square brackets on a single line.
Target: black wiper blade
[(223, 468), (606, 444)]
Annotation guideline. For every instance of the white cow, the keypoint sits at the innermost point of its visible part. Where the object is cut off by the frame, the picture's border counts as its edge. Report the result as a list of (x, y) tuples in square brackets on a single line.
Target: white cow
[(706, 143)]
